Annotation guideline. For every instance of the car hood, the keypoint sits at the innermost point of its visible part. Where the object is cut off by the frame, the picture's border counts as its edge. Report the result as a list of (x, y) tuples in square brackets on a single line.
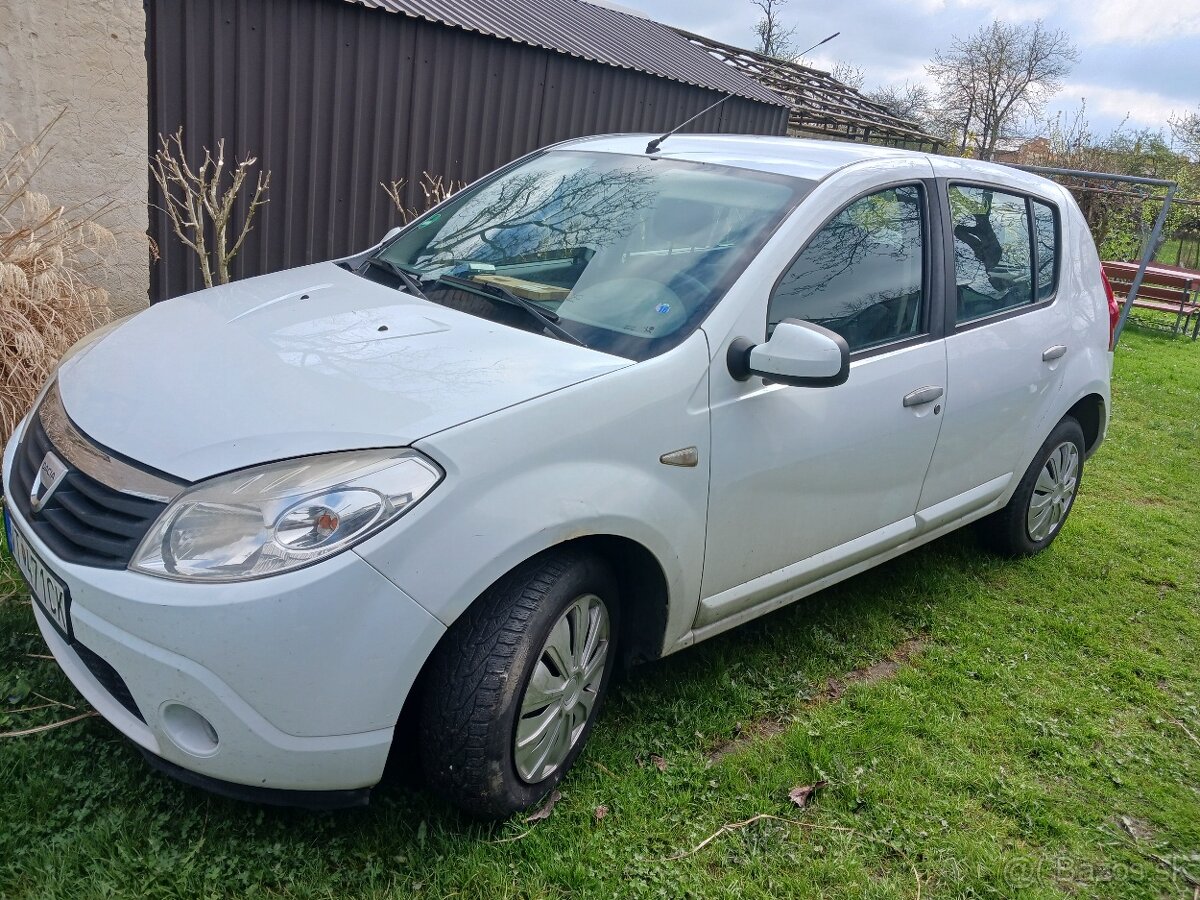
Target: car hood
[(310, 360)]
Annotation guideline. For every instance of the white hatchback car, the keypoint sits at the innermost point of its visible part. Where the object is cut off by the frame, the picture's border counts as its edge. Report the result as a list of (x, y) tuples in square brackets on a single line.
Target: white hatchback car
[(598, 406)]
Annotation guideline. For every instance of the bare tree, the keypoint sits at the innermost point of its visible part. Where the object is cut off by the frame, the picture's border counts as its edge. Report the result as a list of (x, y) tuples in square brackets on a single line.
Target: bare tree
[(435, 189), (1185, 129), (197, 204), (912, 101), (998, 74), (849, 74), (774, 38)]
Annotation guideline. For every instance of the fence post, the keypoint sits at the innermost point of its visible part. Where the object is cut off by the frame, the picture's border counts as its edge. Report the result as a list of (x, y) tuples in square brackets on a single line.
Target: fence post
[(1146, 254)]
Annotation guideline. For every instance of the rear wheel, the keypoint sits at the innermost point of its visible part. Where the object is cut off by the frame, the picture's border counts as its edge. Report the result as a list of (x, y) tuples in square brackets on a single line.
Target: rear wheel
[(516, 685), (1043, 499)]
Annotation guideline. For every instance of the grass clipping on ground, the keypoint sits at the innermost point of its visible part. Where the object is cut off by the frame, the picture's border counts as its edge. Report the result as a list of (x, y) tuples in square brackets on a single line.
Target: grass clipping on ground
[(50, 256)]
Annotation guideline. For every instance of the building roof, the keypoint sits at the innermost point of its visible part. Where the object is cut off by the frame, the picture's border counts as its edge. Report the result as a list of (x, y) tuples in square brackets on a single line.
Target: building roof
[(589, 31), (821, 105)]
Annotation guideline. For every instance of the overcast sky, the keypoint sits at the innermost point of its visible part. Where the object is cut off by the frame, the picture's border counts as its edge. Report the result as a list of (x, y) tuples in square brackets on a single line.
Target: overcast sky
[(1139, 58)]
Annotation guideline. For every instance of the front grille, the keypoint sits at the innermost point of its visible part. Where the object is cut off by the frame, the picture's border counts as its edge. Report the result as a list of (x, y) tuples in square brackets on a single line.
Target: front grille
[(85, 521), (108, 677)]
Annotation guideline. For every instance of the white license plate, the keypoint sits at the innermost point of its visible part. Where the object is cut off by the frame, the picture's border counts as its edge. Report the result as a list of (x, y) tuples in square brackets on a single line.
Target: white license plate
[(48, 589)]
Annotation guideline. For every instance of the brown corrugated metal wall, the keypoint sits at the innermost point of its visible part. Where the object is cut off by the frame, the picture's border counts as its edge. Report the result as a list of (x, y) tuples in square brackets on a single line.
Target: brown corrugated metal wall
[(333, 98)]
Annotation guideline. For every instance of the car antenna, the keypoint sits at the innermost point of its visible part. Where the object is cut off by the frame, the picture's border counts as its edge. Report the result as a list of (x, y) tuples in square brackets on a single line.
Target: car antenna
[(652, 147)]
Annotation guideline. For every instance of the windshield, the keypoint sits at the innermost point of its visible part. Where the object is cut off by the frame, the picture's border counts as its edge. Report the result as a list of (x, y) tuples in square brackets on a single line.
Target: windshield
[(625, 254)]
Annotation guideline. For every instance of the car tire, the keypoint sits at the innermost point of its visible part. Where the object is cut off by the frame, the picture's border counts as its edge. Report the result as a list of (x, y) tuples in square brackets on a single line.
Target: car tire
[(482, 728), (1039, 507)]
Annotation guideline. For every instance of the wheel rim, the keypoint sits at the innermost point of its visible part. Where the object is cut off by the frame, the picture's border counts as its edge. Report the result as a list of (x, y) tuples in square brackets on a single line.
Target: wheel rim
[(1053, 492), (561, 694)]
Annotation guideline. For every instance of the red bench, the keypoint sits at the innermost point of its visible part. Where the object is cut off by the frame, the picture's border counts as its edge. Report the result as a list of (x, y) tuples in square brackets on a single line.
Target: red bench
[(1162, 290)]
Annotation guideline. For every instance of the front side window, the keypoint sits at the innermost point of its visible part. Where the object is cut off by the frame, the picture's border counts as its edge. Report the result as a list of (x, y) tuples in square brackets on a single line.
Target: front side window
[(627, 254), (993, 262), (862, 274)]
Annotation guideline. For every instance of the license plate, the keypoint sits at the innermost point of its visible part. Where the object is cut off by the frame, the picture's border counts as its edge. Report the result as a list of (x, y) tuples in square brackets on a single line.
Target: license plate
[(49, 591)]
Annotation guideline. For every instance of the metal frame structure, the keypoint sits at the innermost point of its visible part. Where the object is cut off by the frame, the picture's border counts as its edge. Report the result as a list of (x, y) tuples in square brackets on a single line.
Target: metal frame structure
[(1155, 233), (820, 104)]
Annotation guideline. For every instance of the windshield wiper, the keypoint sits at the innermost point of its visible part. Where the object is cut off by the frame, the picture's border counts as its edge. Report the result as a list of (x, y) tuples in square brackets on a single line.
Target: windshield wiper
[(410, 281), (501, 294)]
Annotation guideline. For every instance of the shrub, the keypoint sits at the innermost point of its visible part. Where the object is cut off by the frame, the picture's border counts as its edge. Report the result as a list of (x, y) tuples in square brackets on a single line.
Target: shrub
[(50, 256)]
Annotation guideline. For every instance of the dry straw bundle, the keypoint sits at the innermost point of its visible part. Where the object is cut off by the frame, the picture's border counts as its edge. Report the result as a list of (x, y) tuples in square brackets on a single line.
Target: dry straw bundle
[(50, 259)]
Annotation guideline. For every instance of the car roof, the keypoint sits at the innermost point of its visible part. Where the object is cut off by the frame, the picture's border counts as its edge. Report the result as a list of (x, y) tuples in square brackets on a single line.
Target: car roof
[(798, 157), (801, 158)]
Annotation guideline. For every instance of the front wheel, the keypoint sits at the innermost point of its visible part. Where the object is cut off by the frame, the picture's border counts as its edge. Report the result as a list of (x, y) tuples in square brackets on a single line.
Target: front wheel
[(517, 684), (1043, 498)]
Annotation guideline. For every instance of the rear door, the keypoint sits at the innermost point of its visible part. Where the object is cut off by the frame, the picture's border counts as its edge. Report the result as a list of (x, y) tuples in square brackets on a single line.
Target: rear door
[(1007, 336)]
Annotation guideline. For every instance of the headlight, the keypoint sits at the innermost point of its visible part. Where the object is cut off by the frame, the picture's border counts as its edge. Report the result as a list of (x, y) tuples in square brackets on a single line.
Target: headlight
[(282, 516)]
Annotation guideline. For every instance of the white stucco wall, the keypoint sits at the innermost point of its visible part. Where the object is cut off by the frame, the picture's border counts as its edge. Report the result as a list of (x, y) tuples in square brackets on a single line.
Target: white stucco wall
[(87, 56)]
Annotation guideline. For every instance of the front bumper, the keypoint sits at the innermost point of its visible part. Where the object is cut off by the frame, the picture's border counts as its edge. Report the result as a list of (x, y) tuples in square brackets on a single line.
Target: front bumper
[(301, 676)]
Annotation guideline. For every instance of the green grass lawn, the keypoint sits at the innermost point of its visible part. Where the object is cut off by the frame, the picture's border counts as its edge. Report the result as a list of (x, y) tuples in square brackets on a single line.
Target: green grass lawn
[(1036, 736)]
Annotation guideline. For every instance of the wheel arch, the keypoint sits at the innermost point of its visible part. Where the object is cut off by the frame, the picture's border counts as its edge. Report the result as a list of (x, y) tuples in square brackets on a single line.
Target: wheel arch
[(639, 575), (1090, 412)]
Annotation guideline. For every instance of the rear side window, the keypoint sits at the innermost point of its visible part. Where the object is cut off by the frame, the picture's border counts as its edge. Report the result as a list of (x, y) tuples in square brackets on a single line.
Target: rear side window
[(993, 259), (862, 274), (1045, 233)]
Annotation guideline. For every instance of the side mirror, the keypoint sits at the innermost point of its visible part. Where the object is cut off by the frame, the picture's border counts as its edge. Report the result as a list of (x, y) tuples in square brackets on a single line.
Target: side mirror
[(799, 354)]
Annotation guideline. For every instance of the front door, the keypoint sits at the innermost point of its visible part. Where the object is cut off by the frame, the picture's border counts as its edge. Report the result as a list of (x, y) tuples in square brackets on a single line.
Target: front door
[(803, 478)]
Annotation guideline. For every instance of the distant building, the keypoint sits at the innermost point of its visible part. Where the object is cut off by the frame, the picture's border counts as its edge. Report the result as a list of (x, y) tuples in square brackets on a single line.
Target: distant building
[(1032, 152)]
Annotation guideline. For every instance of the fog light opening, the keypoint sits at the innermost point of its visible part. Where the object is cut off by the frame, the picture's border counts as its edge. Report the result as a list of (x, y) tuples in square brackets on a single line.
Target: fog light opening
[(188, 730)]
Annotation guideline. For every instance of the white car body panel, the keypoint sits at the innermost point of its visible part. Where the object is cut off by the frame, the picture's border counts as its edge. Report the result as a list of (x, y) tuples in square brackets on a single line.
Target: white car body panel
[(302, 368), (784, 458), (303, 674), (589, 466), (1003, 398)]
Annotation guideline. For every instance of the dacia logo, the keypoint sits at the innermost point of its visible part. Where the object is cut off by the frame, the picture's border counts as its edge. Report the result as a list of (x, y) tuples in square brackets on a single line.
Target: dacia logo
[(50, 475)]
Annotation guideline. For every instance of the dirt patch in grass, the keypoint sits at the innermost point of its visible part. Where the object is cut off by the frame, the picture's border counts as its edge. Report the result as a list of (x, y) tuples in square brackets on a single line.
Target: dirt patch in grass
[(877, 671), (746, 735), (1138, 829), (831, 690)]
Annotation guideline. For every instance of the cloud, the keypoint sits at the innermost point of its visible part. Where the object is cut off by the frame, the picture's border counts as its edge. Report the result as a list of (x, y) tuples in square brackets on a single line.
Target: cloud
[(1142, 21), (1136, 56), (1092, 22), (1147, 108)]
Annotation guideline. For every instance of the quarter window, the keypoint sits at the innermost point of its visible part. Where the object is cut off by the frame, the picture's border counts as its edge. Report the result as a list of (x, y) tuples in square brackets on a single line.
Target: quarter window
[(1045, 230), (862, 274)]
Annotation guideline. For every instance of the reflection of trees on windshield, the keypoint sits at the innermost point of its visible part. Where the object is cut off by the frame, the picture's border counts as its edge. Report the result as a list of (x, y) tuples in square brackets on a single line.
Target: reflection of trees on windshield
[(624, 250), (541, 213), (861, 274)]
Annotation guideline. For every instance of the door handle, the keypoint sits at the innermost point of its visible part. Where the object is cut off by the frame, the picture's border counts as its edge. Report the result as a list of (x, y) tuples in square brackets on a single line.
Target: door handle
[(923, 395), (1052, 353)]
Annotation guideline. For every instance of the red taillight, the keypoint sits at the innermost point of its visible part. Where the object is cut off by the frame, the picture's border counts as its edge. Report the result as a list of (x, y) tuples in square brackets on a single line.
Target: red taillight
[(1114, 310)]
